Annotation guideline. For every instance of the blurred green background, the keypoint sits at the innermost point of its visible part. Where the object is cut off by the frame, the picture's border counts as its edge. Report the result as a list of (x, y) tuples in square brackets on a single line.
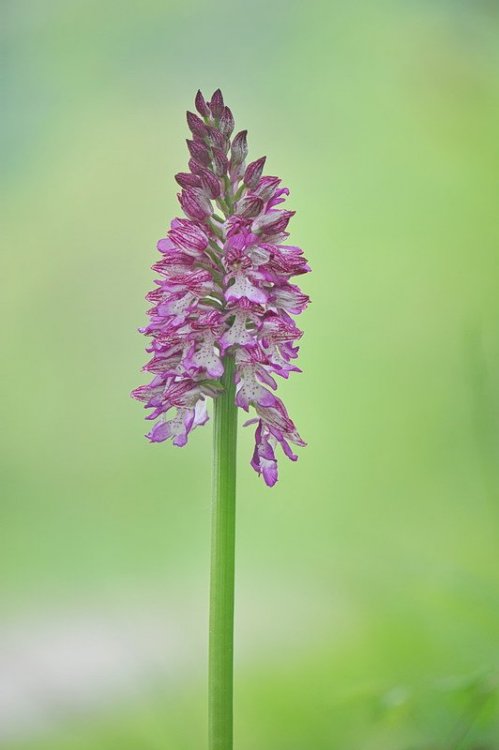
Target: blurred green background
[(368, 578)]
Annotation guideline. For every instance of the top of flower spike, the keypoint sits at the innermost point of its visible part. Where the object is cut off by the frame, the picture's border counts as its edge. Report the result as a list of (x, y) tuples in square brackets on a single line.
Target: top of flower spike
[(224, 289)]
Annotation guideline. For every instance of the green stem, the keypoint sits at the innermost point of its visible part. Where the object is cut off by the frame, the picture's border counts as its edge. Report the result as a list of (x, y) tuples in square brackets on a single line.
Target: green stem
[(221, 647)]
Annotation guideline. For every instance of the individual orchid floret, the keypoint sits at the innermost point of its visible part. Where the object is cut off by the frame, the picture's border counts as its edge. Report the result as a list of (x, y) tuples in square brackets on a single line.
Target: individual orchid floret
[(224, 293)]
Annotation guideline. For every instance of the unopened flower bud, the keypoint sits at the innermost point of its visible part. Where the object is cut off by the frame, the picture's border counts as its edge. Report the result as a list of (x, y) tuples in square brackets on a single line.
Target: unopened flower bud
[(239, 148), (187, 180), (195, 204), (216, 139), (194, 166), (226, 122), (217, 104), (199, 152), (254, 172), (210, 183), (196, 125), (220, 162), (201, 105)]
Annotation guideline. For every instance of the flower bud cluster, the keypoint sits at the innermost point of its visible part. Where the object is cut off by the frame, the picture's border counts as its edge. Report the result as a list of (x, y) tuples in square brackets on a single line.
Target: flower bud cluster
[(224, 289)]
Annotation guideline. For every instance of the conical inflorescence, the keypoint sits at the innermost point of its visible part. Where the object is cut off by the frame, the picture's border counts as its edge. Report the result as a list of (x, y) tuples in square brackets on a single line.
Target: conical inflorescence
[(224, 289)]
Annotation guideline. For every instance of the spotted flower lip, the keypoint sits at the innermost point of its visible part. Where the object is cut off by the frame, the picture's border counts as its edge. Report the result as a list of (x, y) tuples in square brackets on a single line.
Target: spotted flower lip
[(224, 289)]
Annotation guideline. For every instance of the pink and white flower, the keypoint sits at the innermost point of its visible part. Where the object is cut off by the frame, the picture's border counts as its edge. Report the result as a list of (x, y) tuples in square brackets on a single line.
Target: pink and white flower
[(224, 290)]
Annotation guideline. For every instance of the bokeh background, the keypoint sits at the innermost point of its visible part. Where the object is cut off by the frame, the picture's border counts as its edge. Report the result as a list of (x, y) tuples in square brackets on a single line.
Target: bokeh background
[(368, 578)]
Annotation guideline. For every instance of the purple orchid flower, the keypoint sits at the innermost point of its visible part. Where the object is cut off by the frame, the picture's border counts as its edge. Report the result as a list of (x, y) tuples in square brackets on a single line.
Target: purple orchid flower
[(224, 288)]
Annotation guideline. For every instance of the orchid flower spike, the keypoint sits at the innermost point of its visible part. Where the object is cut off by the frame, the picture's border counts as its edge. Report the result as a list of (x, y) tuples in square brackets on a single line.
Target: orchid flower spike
[(224, 288)]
